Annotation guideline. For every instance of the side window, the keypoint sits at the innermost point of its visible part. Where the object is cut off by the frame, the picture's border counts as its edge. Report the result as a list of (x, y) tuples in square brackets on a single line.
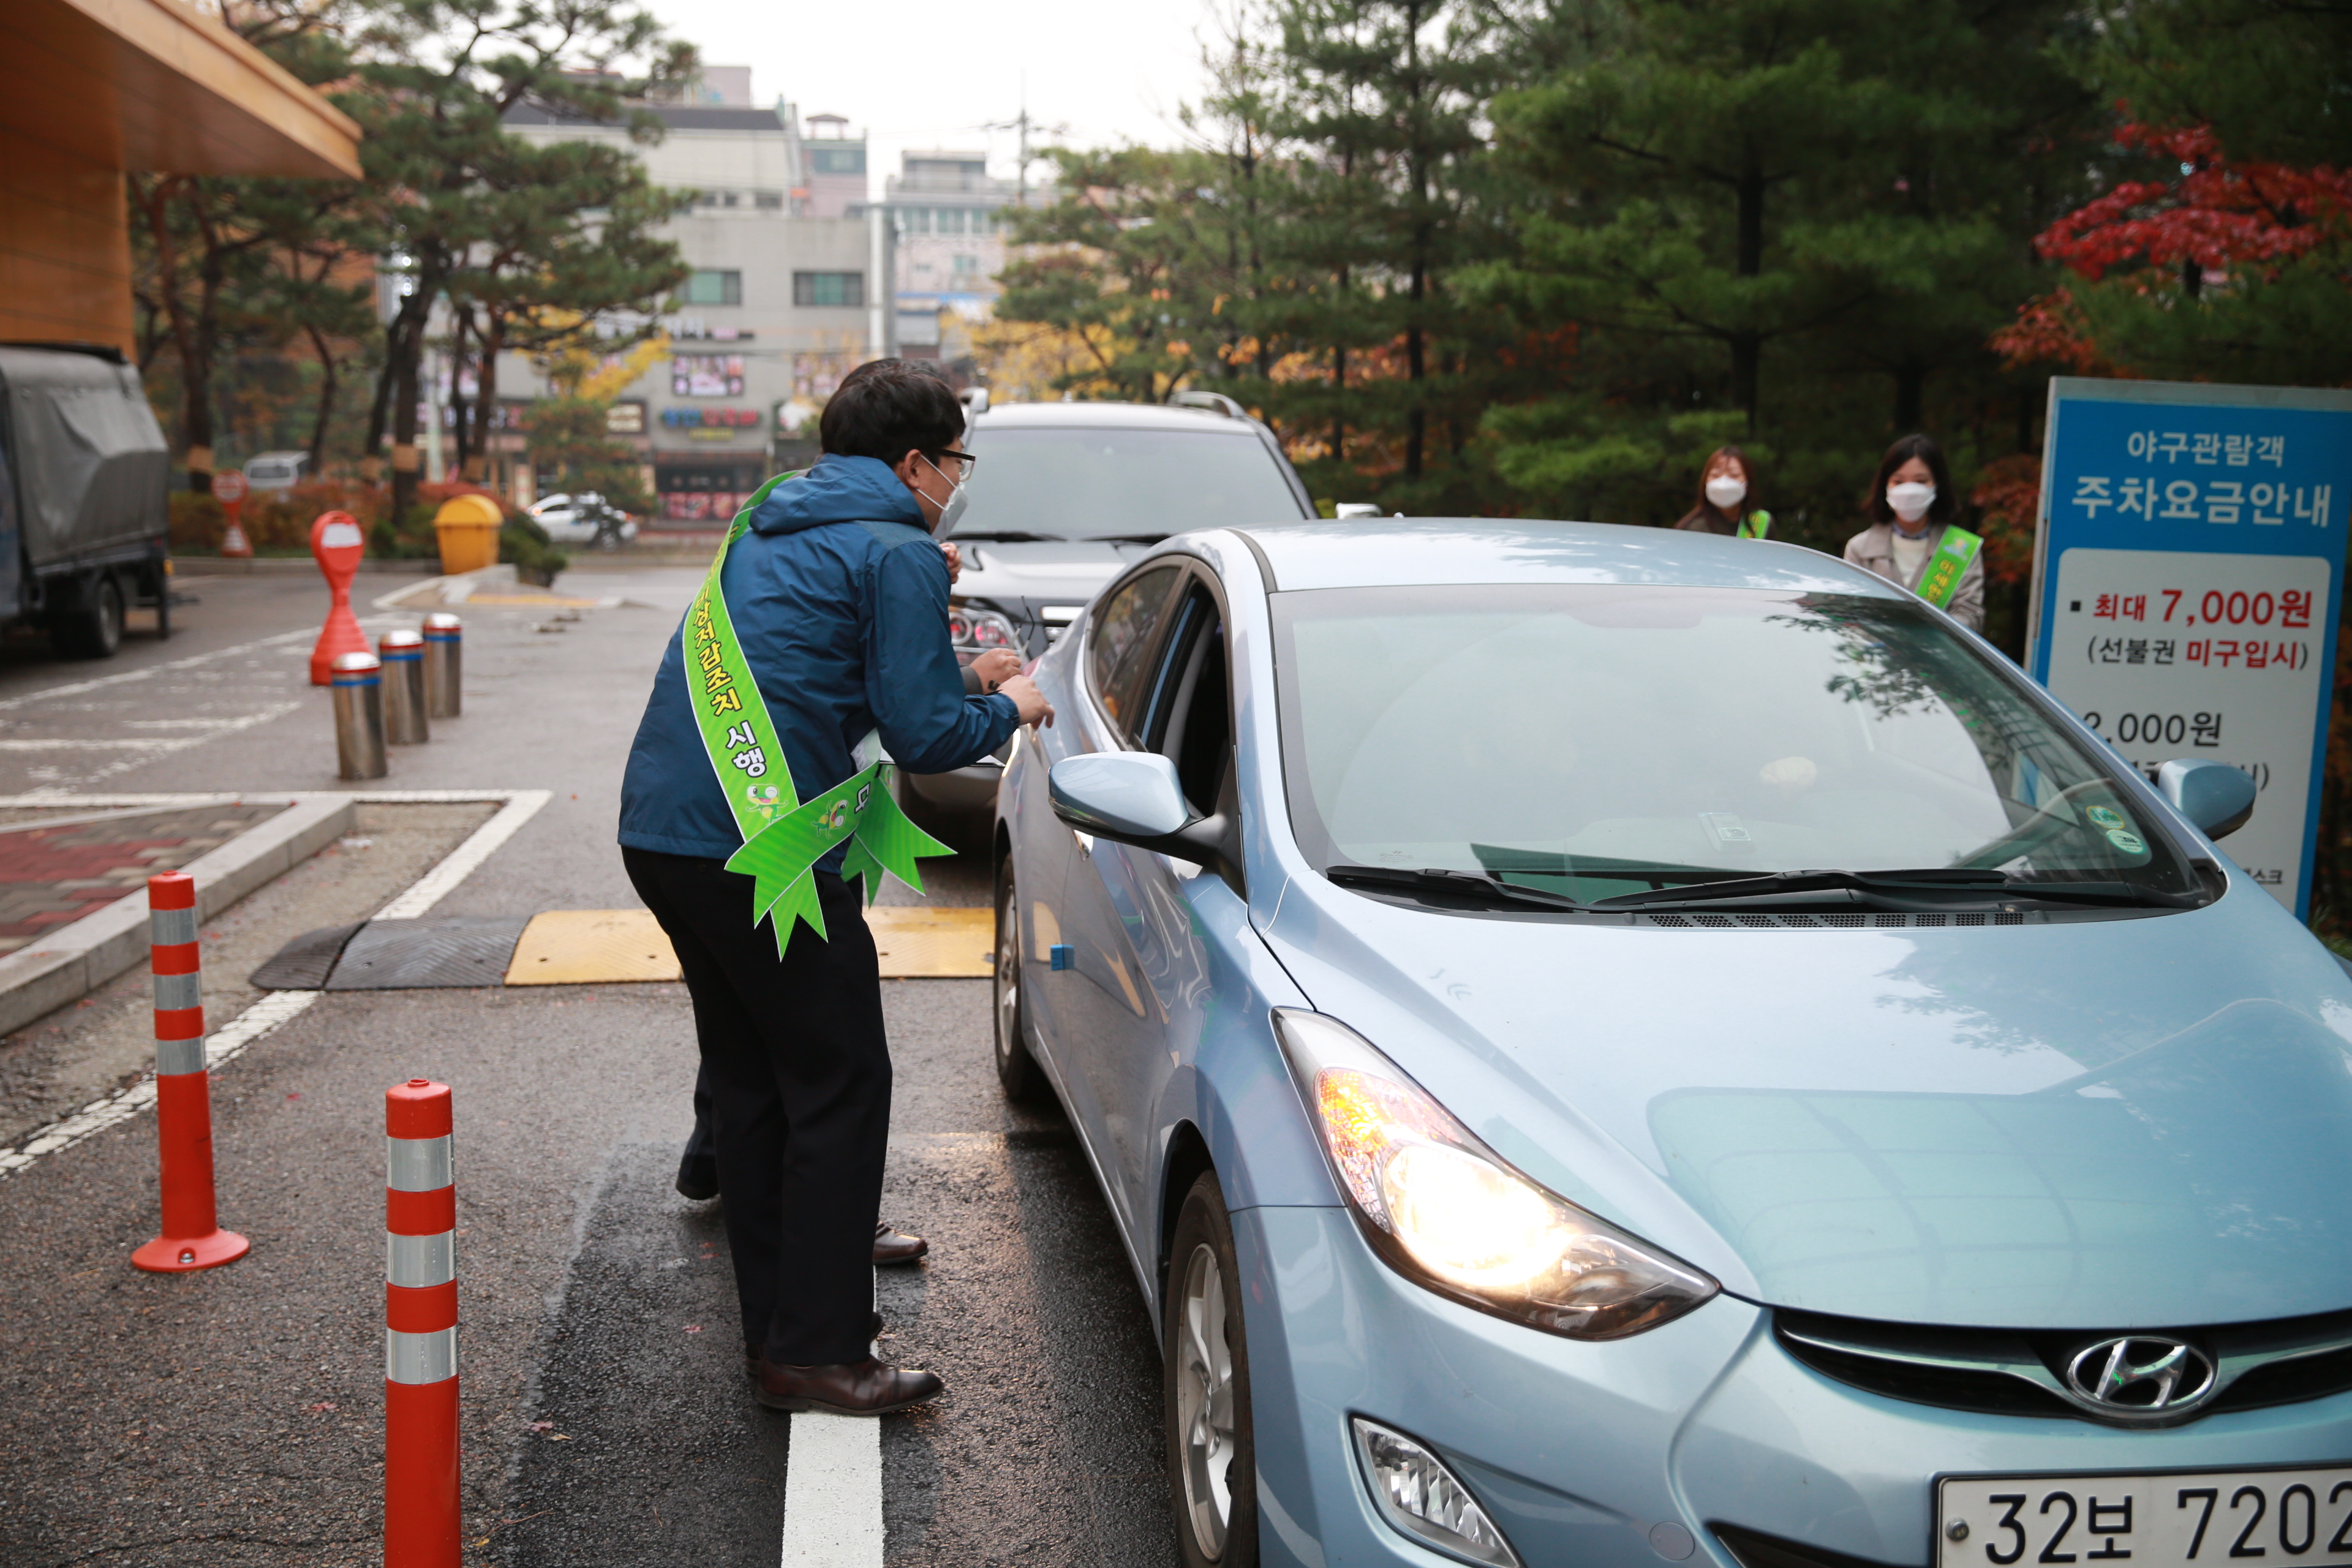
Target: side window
[(1191, 718), (1122, 639)]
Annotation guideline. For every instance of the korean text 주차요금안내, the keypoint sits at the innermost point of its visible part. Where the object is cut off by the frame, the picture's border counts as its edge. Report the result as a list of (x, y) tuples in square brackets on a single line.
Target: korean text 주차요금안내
[(2207, 501)]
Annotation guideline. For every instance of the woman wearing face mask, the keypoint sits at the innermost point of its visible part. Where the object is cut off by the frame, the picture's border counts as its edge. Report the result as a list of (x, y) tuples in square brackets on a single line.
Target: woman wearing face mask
[(1727, 500), (1911, 540)]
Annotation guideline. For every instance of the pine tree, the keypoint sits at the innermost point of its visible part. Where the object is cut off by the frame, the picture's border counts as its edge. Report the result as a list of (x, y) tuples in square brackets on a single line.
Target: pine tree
[(1748, 210), (434, 80)]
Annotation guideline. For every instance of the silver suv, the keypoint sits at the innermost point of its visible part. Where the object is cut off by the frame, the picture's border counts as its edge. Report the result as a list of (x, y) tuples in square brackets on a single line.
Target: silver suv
[(1064, 498)]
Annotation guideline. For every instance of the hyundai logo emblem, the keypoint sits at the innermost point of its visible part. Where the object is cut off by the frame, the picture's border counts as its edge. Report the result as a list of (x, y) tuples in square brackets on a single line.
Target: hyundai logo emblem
[(2140, 1375)]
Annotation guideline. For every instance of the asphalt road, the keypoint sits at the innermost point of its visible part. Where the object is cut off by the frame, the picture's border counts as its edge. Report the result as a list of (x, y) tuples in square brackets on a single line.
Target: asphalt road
[(235, 1417)]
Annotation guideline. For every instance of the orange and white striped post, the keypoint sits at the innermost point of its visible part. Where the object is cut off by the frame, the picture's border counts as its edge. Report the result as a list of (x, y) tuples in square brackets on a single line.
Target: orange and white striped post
[(192, 1237), (420, 1330)]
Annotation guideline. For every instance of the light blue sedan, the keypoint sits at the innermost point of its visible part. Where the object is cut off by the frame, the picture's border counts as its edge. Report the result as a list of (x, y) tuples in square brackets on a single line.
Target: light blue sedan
[(1607, 1045)]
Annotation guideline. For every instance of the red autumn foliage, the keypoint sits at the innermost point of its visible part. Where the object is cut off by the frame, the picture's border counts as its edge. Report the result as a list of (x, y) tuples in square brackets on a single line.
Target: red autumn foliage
[(2214, 215), (2007, 496), (2048, 332)]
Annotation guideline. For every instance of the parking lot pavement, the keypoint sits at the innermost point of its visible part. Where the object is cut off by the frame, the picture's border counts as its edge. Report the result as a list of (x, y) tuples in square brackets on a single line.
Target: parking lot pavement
[(234, 1416)]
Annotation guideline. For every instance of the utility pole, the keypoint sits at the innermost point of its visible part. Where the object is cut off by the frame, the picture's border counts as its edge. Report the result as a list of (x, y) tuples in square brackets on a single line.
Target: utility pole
[(1024, 124)]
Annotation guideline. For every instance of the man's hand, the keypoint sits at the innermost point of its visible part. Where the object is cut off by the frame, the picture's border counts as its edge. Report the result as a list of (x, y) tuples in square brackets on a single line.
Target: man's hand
[(996, 666), (1034, 708), (955, 563)]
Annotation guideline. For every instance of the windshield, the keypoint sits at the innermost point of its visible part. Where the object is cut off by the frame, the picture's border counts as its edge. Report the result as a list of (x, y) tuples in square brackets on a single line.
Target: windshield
[(1077, 483), (1598, 741)]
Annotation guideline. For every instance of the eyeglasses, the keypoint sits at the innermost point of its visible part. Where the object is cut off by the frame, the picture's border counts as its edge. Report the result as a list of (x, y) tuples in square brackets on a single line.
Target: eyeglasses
[(962, 474)]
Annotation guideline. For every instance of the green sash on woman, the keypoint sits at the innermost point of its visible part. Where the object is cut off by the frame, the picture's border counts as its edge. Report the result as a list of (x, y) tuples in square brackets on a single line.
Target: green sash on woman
[(1950, 563), (784, 835)]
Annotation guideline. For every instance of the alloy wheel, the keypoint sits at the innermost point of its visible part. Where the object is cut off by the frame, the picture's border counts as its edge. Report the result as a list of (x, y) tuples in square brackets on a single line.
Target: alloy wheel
[(1008, 984), (1205, 1403)]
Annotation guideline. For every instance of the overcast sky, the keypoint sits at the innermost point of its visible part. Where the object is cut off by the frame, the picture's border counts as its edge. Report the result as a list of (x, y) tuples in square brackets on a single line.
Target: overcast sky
[(930, 73)]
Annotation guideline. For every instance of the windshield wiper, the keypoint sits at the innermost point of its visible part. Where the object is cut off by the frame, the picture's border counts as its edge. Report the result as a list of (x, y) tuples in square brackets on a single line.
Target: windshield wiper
[(1929, 887), (1127, 538), (1474, 886), (1006, 536)]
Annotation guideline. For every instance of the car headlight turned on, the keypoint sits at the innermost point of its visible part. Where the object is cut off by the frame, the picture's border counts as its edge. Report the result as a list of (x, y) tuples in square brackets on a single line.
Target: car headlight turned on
[(974, 632), (1450, 1213), (1421, 1499)]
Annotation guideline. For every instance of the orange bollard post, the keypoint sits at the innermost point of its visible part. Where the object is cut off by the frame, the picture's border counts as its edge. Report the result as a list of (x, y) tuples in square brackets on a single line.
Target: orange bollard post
[(337, 544), (420, 1331), (192, 1237)]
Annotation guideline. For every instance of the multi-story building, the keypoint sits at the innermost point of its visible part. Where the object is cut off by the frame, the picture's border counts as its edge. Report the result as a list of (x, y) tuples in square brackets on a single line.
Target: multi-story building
[(833, 164), (947, 216), (781, 303)]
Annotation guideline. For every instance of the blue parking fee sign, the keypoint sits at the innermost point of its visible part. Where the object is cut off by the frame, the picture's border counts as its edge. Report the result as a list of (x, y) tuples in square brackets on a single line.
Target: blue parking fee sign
[(2187, 579)]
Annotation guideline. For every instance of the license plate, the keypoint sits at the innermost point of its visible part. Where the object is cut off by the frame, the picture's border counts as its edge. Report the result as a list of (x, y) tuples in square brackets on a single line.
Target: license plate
[(2227, 1518)]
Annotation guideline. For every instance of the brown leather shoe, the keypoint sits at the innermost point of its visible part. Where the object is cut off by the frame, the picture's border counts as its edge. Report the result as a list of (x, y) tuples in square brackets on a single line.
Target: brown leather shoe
[(889, 1246), (867, 1387), (751, 1356)]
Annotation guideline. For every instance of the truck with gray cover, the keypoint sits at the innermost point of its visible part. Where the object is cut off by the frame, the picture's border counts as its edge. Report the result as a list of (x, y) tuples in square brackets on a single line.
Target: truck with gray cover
[(84, 472)]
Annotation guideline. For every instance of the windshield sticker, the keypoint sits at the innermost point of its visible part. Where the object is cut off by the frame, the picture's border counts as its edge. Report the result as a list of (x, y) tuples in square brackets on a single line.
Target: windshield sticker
[(2129, 843), (2101, 816)]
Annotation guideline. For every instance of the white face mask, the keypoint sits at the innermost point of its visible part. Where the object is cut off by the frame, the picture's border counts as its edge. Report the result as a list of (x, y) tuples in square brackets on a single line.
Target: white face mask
[(1727, 492), (1910, 501), (956, 500)]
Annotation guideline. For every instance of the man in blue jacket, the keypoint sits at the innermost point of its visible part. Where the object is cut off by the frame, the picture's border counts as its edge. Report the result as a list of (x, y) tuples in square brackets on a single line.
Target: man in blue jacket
[(838, 598)]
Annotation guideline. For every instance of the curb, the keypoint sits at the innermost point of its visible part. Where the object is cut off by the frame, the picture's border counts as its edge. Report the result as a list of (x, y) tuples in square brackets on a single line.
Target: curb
[(77, 959), (447, 592), (283, 565)]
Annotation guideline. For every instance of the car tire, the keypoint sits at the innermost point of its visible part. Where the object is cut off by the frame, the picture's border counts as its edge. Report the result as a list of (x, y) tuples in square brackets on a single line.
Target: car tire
[(1206, 1398), (95, 631), (1017, 1072)]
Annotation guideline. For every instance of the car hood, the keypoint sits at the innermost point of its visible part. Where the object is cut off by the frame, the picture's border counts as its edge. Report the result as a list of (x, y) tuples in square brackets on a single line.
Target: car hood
[(2118, 1123), (1048, 572)]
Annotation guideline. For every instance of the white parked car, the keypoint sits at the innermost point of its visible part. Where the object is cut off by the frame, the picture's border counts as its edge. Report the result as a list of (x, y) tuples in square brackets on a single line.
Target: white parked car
[(584, 518), (276, 470)]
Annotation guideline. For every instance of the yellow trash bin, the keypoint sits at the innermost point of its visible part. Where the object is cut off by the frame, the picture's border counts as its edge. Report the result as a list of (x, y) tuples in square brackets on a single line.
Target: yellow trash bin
[(467, 528)]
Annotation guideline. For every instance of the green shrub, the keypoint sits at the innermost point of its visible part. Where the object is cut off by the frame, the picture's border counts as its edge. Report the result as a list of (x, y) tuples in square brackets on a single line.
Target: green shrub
[(524, 545)]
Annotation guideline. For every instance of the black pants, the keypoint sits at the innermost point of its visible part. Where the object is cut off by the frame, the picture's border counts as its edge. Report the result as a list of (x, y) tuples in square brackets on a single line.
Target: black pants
[(798, 1076)]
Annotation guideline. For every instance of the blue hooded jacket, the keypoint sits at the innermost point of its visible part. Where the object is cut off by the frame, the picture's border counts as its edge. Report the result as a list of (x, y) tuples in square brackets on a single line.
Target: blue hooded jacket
[(840, 599)]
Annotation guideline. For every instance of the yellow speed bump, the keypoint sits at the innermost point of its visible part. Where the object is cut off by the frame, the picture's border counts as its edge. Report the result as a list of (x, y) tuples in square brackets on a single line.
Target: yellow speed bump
[(925, 943), (591, 947), (599, 947)]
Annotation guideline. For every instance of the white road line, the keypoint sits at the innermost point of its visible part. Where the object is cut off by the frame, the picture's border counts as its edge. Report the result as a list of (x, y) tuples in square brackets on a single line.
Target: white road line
[(261, 1019), (429, 889), (832, 1492), (76, 687), (278, 1007), (213, 729)]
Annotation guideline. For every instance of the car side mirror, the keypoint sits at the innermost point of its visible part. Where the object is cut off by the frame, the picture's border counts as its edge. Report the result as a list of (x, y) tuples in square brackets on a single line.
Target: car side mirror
[(1124, 796), (1135, 797), (1348, 508), (2216, 796)]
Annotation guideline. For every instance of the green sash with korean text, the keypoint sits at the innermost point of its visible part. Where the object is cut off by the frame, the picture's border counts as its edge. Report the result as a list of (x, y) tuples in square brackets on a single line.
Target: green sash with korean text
[(1950, 563), (784, 835), (1755, 525)]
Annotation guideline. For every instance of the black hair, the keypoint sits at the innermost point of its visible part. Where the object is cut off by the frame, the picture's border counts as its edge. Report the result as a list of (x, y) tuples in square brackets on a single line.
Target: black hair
[(888, 407), (1703, 509), (1923, 448)]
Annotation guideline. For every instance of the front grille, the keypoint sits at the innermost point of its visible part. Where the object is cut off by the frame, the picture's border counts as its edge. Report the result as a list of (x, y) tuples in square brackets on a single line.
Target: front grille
[(1753, 1549), (2008, 1372)]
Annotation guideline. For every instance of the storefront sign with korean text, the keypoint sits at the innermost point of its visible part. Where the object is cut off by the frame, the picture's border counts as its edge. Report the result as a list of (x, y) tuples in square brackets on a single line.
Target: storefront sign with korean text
[(2187, 582)]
